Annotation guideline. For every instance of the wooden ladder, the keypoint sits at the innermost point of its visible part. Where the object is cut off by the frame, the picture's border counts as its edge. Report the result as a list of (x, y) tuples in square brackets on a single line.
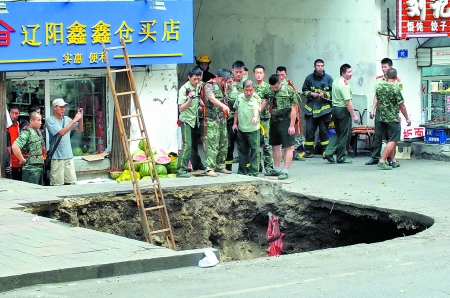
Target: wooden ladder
[(158, 204)]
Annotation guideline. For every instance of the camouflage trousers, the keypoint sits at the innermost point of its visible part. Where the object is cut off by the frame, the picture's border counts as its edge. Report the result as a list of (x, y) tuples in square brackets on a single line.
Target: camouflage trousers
[(32, 174), (216, 143), (266, 154)]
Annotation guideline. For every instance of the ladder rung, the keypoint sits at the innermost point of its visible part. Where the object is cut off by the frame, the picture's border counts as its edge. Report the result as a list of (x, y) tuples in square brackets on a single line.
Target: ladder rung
[(159, 231), (125, 93), (114, 48), (147, 185), (136, 139), (131, 116), (136, 162), (153, 208), (120, 70)]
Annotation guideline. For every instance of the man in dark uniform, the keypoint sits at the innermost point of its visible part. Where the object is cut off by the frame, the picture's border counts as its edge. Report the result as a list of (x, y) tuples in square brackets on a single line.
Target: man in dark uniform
[(317, 89)]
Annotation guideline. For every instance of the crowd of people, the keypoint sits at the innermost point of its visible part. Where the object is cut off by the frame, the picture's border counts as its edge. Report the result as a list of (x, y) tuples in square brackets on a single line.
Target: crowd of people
[(26, 145), (262, 117), (228, 108)]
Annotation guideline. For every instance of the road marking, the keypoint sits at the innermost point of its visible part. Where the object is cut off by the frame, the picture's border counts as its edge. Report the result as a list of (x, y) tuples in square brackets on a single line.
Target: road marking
[(256, 289), (343, 274)]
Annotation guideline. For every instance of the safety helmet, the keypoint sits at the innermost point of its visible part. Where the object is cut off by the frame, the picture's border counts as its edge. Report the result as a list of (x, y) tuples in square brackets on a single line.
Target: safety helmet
[(204, 59)]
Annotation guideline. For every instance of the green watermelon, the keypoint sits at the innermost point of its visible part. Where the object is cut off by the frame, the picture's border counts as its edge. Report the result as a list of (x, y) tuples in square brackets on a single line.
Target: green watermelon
[(172, 166), (145, 169), (77, 151), (163, 176), (143, 145), (161, 170), (127, 167)]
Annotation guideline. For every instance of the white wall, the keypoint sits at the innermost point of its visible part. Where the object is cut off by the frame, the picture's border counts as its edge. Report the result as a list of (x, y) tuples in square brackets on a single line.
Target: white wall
[(155, 84), (294, 33)]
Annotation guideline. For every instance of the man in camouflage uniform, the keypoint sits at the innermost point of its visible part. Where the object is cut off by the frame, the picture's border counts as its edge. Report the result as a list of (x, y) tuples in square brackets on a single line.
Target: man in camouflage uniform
[(283, 103), (342, 112), (317, 89), (238, 69), (265, 92), (390, 102), (386, 64), (188, 103), (281, 71), (246, 123), (216, 141), (30, 144)]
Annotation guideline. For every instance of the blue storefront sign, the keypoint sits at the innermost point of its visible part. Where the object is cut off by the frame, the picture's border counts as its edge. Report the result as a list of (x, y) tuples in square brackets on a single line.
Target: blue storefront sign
[(68, 35)]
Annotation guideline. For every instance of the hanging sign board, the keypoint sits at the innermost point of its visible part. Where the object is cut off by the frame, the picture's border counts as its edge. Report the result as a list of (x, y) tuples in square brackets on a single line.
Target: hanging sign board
[(68, 35), (423, 18)]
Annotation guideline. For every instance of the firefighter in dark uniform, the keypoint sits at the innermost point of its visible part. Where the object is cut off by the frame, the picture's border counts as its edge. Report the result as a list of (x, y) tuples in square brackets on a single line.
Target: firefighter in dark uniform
[(317, 89)]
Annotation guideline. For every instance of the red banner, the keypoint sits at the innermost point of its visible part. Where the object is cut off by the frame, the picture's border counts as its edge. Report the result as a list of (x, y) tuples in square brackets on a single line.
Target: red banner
[(423, 18)]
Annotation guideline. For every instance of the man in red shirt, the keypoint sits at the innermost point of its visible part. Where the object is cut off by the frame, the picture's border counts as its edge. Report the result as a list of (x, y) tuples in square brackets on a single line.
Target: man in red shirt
[(12, 133)]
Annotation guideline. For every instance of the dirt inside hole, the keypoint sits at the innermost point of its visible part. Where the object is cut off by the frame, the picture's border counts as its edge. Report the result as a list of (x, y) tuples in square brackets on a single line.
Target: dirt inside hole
[(233, 218)]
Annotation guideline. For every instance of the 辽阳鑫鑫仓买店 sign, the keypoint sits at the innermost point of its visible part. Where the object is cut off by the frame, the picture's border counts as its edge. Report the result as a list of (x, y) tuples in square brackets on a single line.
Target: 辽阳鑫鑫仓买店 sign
[(67, 35)]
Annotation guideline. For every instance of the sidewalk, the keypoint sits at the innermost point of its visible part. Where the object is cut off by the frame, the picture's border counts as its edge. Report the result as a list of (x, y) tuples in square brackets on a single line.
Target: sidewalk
[(48, 251)]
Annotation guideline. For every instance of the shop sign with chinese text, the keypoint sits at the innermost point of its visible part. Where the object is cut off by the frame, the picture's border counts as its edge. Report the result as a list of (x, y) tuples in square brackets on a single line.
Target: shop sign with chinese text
[(423, 18), (67, 35)]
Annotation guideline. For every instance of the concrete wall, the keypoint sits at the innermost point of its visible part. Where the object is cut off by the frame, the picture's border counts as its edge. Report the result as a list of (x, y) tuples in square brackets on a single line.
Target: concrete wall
[(294, 33)]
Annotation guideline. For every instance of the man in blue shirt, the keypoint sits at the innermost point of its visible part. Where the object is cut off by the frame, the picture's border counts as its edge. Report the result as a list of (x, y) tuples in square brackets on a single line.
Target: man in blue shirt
[(62, 169)]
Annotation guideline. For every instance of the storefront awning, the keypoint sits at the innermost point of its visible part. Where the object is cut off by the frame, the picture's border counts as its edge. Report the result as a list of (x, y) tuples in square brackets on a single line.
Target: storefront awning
[(434, 52)]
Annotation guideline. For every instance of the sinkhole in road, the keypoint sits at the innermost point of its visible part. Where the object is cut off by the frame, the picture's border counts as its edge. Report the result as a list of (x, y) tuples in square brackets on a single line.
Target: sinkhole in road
[(234, 218)]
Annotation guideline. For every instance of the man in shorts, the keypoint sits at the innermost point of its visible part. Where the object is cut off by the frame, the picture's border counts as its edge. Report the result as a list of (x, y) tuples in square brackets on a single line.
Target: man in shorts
[(282, 124), (62, 169), (390, 103)]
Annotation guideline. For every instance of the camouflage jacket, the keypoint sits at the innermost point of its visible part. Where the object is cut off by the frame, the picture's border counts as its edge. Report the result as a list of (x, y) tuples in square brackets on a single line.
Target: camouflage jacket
[(231, 96), (389, 98), (265, 92), (282, 100), (31, 144), (213, 112)]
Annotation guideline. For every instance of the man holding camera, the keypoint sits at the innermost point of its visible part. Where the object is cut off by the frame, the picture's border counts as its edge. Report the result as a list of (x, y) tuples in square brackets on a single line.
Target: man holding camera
[(59, 126)]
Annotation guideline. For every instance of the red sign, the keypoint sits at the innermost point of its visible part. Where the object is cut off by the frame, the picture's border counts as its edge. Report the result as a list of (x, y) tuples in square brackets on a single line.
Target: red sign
[(423, 18), (4, 35), (413, 132)]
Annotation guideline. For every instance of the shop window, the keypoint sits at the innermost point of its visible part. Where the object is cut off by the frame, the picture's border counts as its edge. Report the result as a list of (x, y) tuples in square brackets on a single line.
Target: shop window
[(26, 95), (88, 94)]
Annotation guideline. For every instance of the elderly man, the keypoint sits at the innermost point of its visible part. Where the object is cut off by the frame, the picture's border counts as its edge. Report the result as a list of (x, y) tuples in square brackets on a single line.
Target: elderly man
[(390, 103), (246, 122)]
